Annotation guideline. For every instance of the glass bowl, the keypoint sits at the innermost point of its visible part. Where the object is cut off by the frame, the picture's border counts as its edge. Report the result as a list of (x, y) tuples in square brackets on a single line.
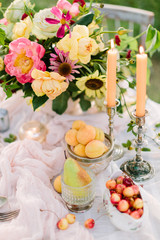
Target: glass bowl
[(79, 199), (96, 164)]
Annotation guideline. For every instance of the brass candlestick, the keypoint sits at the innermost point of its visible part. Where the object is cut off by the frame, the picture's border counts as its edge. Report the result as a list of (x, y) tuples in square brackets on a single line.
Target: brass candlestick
[(118, 149), (137, 168)]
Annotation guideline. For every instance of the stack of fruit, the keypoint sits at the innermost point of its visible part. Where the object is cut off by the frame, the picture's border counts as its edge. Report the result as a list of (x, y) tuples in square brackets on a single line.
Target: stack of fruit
[(125, 196), (86, 140)]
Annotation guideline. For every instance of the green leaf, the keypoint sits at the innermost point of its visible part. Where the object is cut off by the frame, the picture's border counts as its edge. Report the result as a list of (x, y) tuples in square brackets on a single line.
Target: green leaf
[(85, 20), (27, 89), (85, 104), (39, 101), (59, 105), (146, 149), (157, 125), (72, 87), (2, 36), (152, 39)]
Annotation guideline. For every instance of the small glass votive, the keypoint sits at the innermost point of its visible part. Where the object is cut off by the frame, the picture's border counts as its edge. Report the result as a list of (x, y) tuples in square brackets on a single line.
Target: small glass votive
[(33, 130), (79, 199), (4, 120)]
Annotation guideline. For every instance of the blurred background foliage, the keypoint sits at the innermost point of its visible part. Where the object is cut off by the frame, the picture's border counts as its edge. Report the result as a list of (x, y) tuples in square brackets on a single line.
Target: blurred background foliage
[(153, 90)]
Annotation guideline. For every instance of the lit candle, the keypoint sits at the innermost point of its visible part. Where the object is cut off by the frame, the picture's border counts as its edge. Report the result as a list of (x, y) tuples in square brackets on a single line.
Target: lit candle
[(111, 76), (141, 77)]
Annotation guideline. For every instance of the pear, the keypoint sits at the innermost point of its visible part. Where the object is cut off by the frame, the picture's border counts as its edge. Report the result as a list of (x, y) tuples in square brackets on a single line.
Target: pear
[(74, 175)]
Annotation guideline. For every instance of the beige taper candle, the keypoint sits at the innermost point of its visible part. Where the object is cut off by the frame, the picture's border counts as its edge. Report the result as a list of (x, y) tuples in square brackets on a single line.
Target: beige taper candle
[(141, 77), (111, 76)]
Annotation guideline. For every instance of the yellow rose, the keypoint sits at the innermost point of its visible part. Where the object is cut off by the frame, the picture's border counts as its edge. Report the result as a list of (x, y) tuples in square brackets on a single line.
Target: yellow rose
[(1, 64), (80, 46), (22, 28), (50, 83)]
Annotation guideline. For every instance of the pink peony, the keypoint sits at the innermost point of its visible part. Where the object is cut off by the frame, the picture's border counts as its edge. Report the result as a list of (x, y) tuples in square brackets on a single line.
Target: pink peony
[(23, 57), (4, 21), (72, 8)]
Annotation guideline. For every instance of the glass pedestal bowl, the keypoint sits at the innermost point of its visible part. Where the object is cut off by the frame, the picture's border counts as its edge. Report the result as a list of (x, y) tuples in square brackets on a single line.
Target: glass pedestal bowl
[(96, 164)]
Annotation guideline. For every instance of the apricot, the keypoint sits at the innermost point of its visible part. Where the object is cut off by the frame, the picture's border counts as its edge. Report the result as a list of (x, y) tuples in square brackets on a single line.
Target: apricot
[(57, 184), (99, 134), (78, 124), (80, 150), (71, 137), (86, 134), (95, 149)]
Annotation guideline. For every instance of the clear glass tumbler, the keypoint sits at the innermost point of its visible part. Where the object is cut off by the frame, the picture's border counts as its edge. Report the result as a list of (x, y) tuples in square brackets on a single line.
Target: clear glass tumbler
[(79, 199)]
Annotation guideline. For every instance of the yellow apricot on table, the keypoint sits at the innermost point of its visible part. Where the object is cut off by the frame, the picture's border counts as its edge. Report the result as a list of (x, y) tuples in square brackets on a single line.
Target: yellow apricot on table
[(71, 137), (95, 149), (80, 150), (99, 134), (78, 124), (57, 184), (86, 134)]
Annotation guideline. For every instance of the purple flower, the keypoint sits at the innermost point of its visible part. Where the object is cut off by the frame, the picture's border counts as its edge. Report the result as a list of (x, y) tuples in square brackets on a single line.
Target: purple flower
[(61, 64), (64, 20)]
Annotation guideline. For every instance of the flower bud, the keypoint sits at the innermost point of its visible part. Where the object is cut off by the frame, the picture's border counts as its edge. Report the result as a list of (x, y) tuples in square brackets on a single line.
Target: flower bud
[(122, 31)]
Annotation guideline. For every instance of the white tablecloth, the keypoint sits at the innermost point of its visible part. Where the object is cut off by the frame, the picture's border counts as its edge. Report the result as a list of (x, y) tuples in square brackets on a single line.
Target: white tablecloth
[(20, 112)]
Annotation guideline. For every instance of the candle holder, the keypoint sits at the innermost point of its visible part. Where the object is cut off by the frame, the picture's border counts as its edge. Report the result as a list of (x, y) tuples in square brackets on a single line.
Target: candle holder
[(118, 149), (137, 168)]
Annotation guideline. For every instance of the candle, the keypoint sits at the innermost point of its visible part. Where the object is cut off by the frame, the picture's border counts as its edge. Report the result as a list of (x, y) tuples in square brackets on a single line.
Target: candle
[(111, 76), (141, 77)]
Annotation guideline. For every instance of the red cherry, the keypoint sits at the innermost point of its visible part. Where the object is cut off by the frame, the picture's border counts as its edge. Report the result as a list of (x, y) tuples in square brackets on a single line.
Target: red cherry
[(89, 223)]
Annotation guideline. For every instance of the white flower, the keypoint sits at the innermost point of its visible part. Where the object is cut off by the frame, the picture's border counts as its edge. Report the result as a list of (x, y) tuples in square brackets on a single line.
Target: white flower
[(42, 29), (16, 9)]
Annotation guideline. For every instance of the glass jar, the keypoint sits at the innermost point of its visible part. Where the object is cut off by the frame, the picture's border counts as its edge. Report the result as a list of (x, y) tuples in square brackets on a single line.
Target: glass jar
[(79, 199), (96, 164)]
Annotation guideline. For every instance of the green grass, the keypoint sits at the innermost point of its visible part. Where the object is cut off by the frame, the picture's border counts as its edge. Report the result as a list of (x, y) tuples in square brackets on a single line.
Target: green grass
[(154, 5)]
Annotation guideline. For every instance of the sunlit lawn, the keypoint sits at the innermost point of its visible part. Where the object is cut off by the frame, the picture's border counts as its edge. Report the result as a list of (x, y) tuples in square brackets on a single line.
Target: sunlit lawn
[(154, 88)]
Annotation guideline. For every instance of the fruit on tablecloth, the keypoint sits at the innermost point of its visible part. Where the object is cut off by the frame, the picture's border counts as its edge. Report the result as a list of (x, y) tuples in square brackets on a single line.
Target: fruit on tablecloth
[(89, 223), (138, 203), (128, 192), (62, 224), (79, 149), (57, 184), (95, 149), (74, 174), (115, 198), (123, 205), (71, 218), (125, 196), (99, 134), (71, 137), (86, 134), (78, 124)]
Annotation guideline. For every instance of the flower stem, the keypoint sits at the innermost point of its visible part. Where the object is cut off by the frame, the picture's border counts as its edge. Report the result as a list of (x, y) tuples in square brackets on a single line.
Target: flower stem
[(83, 65), (125, 102), (102, 33)]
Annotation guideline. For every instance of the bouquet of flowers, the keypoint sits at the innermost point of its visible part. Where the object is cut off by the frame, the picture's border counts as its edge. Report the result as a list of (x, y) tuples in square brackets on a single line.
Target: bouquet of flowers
[(60, 53)]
